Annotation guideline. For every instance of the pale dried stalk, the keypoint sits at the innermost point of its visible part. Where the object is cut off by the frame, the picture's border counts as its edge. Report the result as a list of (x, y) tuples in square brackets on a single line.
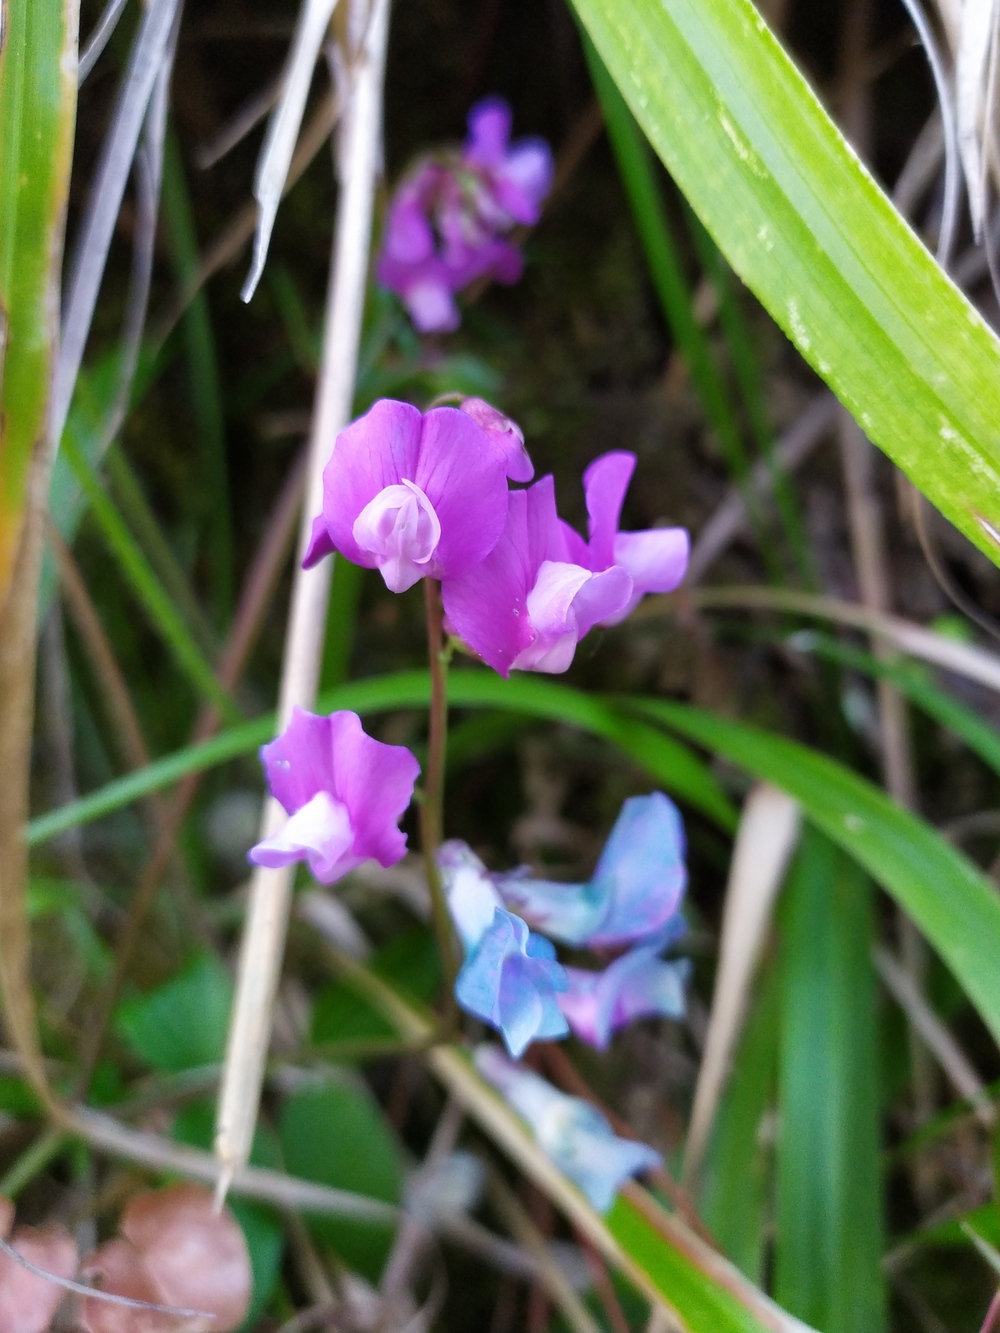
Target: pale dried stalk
[(767, 836), (270, 890), (132, 1145), (935, 1036)]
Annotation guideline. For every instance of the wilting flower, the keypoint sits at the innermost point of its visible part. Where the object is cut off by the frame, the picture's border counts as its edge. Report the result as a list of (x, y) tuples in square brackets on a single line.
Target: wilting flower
[(445, 226), (413, 494), (28, 1301), (656, 558), (571, 1132), (527, 605), (344, 792), (510, 977), (634, 893), (639, 984)]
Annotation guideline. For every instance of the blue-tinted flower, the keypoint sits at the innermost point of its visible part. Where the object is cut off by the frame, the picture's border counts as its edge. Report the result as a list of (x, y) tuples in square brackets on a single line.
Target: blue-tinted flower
[(510, 978), (572, 1134), (639, 984), (634, 893)]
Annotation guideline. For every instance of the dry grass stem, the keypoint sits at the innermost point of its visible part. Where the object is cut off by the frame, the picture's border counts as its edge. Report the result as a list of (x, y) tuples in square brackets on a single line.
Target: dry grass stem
[(270, 891), (767, 837)]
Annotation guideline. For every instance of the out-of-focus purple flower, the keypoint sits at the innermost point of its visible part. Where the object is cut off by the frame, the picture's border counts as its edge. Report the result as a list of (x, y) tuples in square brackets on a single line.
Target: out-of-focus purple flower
[(446, 223), (634, 893), (510, 978), (507, 433), (344, 792), (639, 984), (518, 174), (656, 558), (412, 494), (527, 605), (572, 1134)]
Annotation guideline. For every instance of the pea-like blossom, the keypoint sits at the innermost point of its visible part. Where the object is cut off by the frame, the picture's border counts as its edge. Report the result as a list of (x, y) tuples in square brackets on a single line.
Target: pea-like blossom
[(510, 977), (639, 984), (507, 433), (447, 222), (527, 605), (656, 558), (634, 893), (413, 494), (344, 792), (572, 1133)]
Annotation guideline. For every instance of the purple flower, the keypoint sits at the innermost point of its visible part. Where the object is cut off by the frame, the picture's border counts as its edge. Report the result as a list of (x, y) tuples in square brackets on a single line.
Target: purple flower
[(572, 1133), (518, 175), (510, 978), (412, 494), (344, 792), (636, 985), (634, 893), (445, 226), (507, 433), (527, 605), (656, 558)]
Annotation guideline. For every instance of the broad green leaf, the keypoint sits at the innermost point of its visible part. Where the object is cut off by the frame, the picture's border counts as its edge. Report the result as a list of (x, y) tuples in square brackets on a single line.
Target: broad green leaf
[(410, 962), (737, 1172), (336, 1133), (181, 1024), (948, 897), (812, 235), (664, 758), (829, 1240)]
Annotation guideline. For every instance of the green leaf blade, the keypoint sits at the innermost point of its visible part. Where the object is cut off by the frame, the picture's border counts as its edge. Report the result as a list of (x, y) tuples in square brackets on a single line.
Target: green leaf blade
[(812, 235)]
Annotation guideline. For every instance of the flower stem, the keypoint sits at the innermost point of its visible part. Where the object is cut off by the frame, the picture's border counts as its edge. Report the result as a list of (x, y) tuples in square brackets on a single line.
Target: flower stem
[(432, 807)]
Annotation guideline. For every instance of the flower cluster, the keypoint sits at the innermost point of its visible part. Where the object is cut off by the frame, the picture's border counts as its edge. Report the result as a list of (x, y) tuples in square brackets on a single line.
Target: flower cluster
[(511, 978), (417, 495), (448, 221), (426, 495)]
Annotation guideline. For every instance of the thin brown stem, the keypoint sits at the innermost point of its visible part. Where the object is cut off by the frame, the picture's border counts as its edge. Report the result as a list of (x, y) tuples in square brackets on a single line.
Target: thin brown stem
[(432, 808)]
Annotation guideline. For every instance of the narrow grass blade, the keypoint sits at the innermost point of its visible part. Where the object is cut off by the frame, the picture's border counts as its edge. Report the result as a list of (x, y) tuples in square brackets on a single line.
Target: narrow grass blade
[(668, 761), (947, 896), (735, 1195), (765, 841), (910, 680), (148, 589), (812, 235), (206, 390), (38, 46), (107, 189), (829, 1199)]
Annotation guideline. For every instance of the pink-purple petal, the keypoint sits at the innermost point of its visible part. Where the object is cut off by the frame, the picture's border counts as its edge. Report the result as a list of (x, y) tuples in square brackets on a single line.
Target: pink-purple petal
[(639, 984), (462, 471), (319, 832), (505, 432), (375, 781), (489, 132), (604, 484)]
